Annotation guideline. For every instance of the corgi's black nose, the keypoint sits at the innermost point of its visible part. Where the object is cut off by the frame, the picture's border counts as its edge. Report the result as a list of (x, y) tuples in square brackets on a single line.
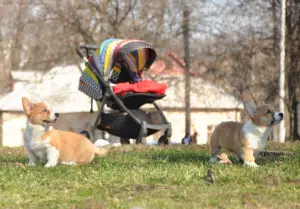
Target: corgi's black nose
[(281, 115), (56, 115)]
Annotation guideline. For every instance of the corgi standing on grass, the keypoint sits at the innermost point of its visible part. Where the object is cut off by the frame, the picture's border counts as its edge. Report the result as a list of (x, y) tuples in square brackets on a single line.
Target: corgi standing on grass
[(50, 146), (246, 140)]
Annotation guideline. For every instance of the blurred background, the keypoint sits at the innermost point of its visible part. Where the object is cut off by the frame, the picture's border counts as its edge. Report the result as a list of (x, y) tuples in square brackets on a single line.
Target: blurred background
[(234, 56)]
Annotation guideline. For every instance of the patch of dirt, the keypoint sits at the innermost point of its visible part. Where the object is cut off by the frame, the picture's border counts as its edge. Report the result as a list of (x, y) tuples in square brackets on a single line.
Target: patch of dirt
[(270, 180), (12, 151), (276, 153), (293, 181), (89, 204), (145, 187), (252, 201), (224, 158), (16, 164), (135, 190)]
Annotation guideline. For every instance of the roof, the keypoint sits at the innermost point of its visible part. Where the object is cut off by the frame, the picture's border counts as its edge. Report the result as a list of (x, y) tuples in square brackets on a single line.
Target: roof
[(203, 94), (27, 76), (59, 87), (171, 66), (160, 67)]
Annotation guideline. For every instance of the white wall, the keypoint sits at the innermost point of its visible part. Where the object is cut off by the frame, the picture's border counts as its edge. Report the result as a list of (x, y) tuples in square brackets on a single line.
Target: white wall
[(13, 125), (76, 122)]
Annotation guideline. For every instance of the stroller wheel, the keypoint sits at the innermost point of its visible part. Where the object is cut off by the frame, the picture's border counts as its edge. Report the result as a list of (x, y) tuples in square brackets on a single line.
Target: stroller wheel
[(163, 140), (124, 141), (142, 133)]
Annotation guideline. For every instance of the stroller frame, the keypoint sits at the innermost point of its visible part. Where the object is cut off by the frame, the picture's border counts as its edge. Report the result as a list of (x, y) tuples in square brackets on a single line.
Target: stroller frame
[(135, 115)]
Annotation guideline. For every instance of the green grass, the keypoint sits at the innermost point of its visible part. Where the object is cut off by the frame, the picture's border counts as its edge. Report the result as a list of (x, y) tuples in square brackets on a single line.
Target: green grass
[(151, 177)]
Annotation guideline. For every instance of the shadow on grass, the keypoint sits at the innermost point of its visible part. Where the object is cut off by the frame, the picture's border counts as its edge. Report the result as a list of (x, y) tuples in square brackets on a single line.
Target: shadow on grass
[(201, 157), (271, 160), (261, 160), (180, 157)]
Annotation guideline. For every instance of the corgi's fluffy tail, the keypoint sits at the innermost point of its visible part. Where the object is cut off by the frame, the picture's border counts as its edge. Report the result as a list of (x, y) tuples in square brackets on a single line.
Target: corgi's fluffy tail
[(102, 146), (100, 151)]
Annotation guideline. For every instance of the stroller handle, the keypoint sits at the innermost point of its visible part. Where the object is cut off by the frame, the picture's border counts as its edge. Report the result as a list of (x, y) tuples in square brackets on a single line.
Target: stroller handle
[(87, 47)]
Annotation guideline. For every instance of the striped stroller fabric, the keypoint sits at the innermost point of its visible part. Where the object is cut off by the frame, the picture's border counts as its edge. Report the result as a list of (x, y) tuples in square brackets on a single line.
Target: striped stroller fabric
[(90, 85), (134, 61), (111, 58)]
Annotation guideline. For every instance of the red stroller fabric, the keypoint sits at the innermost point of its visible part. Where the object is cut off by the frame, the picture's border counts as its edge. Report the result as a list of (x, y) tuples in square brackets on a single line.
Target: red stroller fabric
[(144, 86)]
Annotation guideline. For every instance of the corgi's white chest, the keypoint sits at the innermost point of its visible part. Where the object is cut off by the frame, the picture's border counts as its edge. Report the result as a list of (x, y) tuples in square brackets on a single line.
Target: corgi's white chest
[(256, 136), (33, 141)]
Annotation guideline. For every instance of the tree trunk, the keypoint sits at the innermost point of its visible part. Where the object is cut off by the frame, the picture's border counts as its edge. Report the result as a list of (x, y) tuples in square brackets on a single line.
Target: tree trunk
[(293, 69), (295, 125), (275, 25), (17, 47)]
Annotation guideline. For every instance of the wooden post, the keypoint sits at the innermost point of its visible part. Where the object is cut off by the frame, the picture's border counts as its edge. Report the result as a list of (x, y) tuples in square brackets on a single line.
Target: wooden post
[(185, 29)]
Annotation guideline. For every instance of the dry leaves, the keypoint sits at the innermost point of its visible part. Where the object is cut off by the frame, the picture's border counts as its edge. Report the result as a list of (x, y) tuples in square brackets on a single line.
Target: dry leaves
[(224, 158)]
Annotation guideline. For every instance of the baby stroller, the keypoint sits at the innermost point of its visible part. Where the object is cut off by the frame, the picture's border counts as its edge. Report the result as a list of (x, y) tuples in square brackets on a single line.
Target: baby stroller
[(108, 67)]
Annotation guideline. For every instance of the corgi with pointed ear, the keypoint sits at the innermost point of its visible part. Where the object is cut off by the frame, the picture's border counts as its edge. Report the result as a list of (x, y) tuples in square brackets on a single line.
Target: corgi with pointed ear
[(246, 140), (50, 146)]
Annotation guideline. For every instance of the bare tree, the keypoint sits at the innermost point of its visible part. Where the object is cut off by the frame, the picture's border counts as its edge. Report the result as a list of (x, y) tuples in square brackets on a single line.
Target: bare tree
[(234, 43), (12, 18), (242, 56), (293, 64)]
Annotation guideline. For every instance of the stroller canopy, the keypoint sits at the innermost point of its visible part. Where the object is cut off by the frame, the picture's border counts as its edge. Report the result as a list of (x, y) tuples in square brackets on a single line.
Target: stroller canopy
[(116, 55), (116, 61)]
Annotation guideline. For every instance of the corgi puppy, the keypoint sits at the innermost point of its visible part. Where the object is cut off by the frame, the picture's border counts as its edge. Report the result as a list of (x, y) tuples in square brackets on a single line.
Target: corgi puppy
[(246, 140), (50, 146)]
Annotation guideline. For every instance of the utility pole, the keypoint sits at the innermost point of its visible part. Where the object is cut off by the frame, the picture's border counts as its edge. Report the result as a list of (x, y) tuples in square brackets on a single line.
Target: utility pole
[(185, 29), (282, 70)]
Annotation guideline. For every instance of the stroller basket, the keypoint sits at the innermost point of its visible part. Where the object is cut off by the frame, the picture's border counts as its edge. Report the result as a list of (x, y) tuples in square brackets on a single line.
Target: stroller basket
[(122, 124)]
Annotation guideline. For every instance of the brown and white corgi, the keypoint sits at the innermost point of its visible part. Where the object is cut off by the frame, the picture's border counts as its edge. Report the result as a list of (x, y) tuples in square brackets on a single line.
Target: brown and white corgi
[(50, 146), (246, 140)]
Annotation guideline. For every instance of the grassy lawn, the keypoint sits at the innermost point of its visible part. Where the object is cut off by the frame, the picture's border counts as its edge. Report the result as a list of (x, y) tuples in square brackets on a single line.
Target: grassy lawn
[(151, 177)]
